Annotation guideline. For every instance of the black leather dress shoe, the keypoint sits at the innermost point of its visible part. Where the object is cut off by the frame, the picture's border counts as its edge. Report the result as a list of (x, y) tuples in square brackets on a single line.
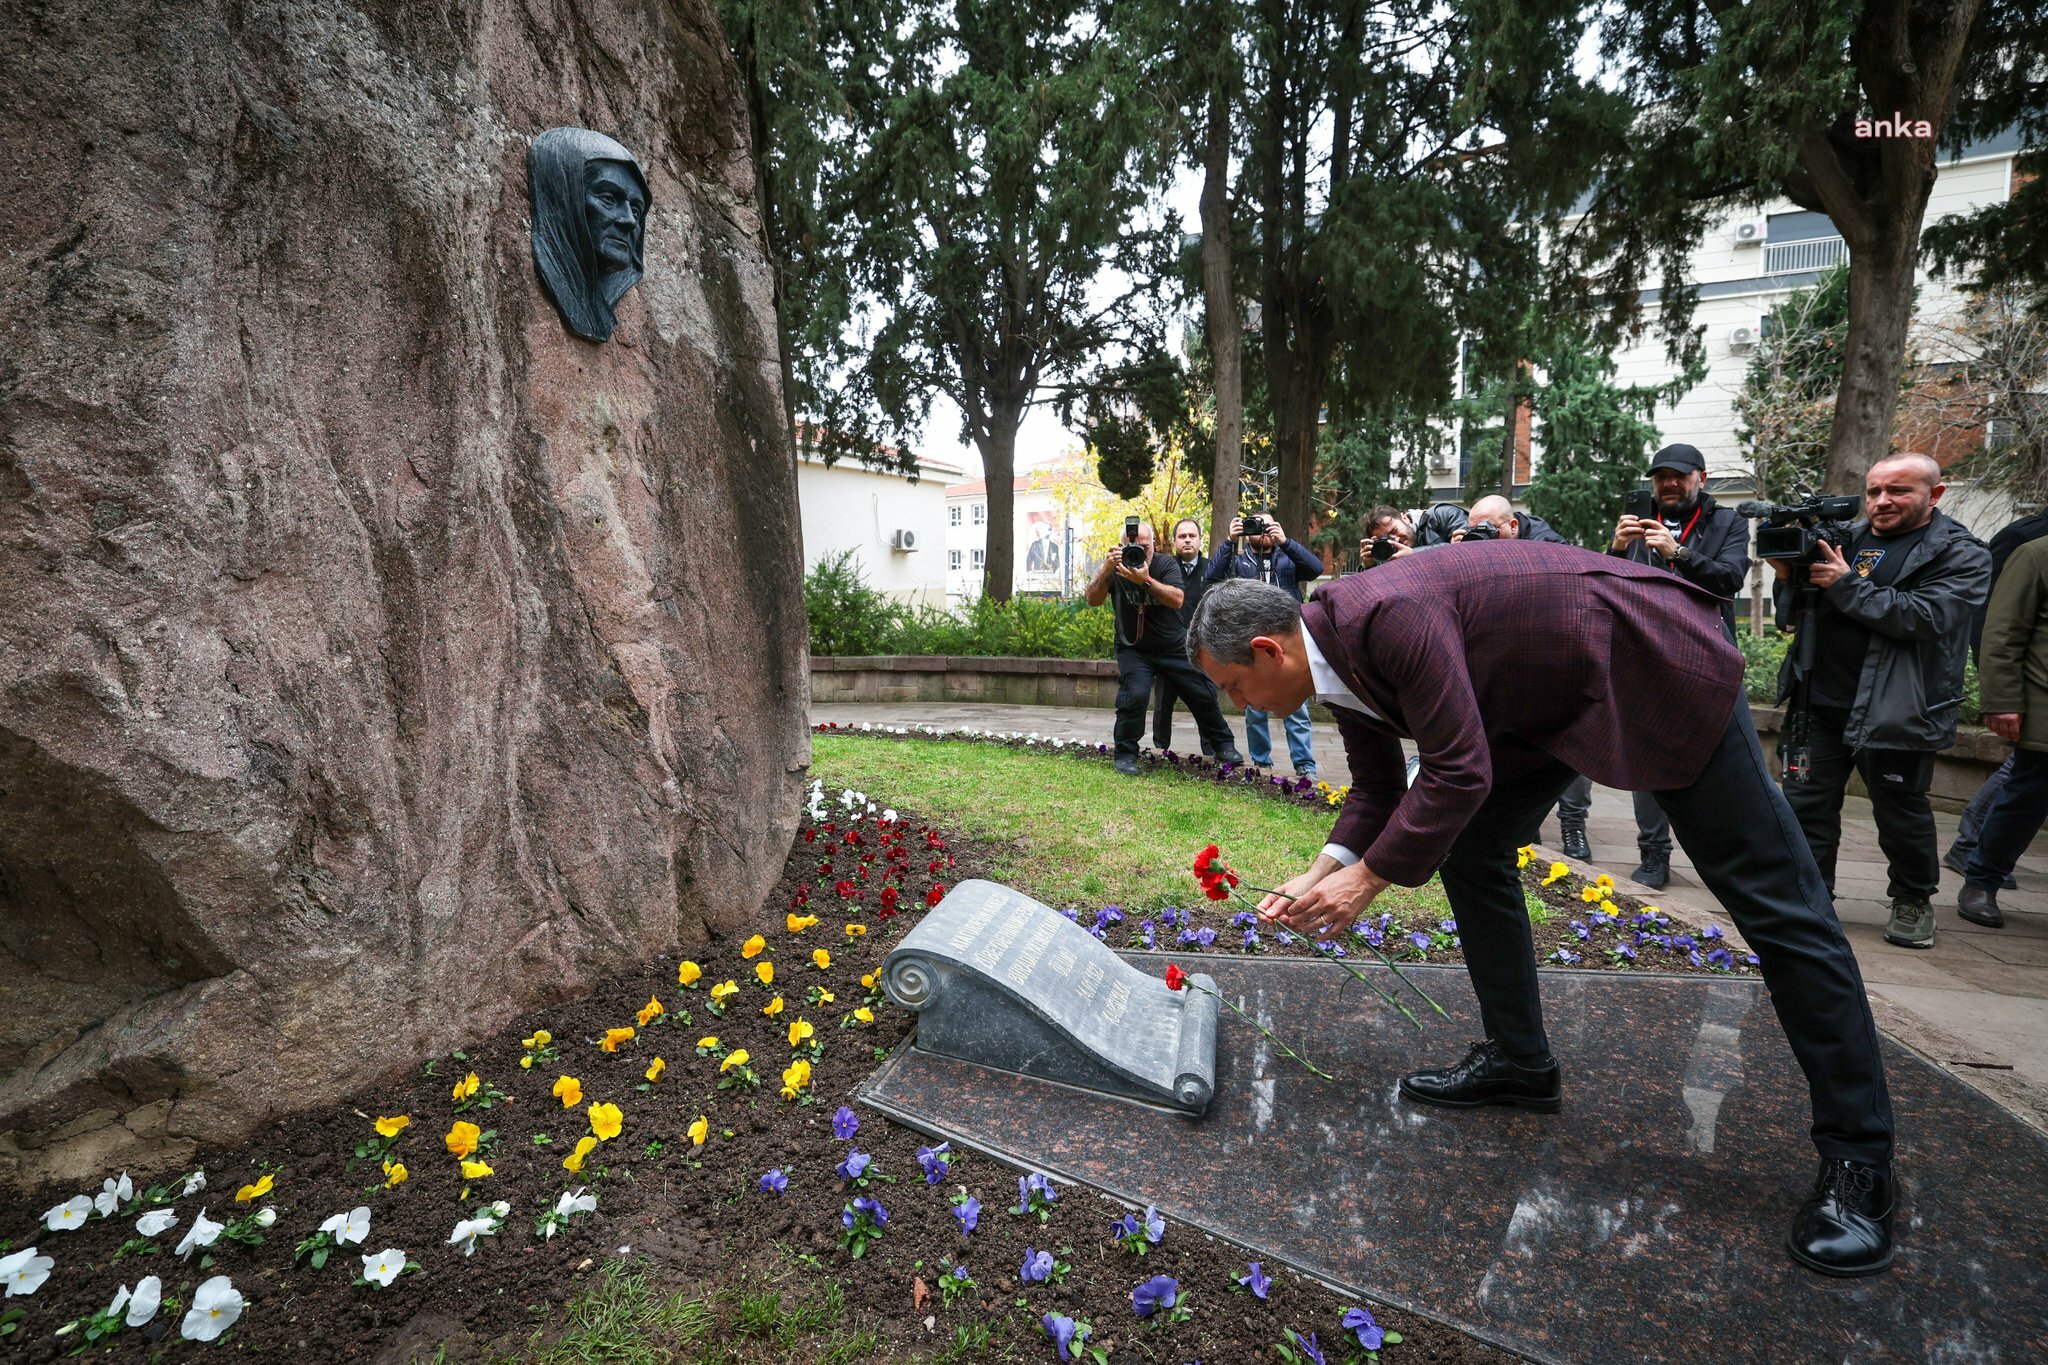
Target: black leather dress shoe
[(1127, 765), (1231, 758), (1979, 906), (1486, 1076), (1845, 1227), (1572, 839)]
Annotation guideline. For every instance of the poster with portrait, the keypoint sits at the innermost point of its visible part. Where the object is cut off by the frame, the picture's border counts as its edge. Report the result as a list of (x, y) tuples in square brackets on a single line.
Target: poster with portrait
[(1042, 552)]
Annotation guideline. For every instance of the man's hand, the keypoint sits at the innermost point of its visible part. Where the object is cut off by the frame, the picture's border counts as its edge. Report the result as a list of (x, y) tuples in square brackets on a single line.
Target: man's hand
[(1141, 575), (1659, 538), (1332, 905), (1627, 531), (1827, 572), (1273, 530), (1236, 528), (2005, 724)]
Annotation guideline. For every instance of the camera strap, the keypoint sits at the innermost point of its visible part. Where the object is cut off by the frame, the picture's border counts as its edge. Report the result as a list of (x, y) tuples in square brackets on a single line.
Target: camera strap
[(1697, 508)]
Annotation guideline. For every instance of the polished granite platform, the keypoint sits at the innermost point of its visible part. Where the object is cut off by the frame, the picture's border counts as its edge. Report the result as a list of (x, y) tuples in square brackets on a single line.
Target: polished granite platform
[(1644, 1223)]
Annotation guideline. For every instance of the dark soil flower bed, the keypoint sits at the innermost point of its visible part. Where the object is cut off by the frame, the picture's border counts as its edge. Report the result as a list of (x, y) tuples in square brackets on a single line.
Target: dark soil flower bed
[(695, 1218)]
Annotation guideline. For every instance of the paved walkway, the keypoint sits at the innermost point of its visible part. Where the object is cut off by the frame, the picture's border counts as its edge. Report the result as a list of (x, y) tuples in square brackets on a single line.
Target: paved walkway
[(1977, 1003)]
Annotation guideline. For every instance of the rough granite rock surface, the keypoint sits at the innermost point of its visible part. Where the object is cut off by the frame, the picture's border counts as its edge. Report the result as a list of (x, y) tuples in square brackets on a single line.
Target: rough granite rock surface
[(377, 658)]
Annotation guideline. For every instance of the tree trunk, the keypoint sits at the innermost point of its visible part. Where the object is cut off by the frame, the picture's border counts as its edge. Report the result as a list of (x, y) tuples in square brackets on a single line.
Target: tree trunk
[(1225, 336), (999, 472), (1874, 354), (1296, 388)]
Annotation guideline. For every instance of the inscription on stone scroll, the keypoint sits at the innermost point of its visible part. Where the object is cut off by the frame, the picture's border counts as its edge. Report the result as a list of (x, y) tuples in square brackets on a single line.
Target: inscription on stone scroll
[(1003, 981)]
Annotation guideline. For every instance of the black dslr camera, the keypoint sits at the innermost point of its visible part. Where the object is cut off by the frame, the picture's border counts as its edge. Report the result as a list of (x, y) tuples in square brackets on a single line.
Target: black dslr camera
[(1794, 531), (1385, 548), (1254, 525), (1481, 530), (1134, 553)]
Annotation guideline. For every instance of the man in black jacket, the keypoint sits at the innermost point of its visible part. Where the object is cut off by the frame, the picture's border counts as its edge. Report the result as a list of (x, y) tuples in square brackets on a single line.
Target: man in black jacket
[(1508, 524), (1194, 572), (1891, 637), (1685, 533)]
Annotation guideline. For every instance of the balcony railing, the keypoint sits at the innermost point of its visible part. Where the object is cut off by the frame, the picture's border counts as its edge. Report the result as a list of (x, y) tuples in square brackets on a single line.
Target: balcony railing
[(1784, 258)]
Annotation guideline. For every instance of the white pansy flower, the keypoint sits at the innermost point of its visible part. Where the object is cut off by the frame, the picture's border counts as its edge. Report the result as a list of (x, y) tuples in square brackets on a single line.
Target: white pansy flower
[(113, 1195), (468, 1230), (24, 1271), (70, 1215), (195, 1182), (575, 1201), (265, 1216), (143, 1303), (204, 1232), (384, 1267), (155, 1221), (216, 1306), (349, 1228)]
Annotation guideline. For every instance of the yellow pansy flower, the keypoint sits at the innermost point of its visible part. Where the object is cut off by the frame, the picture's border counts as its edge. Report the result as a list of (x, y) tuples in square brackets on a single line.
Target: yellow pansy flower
[(766, 971), (687, 974), (795, 1077), (798, 923), (466, 1087), (462, 1138), (1591, 894), (708, 1041), (820, 958), (855, 930), (754, 947), (654, 1070), (872, 977), (395, 1173), (738, 1057), (724, 989), (865, 1015), (613, 1037), (606, 1120), (773, 1007), (799, 1031), (475, 1170), (391, 1128), (824, 996), (700, 1130), (649, 1011), (526, 1063), (584, 1147), (1558, 872), (540, 1039), (255, 1191), (1604, 882), (569, 1091)]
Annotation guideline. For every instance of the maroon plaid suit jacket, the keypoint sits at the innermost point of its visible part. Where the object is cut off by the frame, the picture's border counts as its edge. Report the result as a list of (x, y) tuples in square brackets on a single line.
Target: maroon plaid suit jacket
[(1495, 659)]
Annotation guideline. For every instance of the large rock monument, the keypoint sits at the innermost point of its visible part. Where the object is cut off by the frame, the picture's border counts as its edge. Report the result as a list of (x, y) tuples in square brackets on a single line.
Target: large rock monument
[(378, 657)]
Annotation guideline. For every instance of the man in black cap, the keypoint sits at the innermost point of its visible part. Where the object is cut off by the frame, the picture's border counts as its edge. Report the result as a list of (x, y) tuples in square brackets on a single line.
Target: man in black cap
[(1683, 531)]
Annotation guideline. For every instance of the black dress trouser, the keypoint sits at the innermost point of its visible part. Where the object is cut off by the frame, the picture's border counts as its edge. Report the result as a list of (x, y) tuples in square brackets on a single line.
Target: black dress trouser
[(1748, 849), (1137, 670)]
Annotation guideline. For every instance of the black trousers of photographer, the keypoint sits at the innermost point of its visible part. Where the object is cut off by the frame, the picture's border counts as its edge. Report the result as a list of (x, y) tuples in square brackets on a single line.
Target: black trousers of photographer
[(1138, 671), (1898, 782)]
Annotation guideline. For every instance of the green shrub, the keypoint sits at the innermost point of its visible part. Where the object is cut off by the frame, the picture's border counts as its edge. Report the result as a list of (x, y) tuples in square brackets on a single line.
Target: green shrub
[(848, 617), (1762, 656)]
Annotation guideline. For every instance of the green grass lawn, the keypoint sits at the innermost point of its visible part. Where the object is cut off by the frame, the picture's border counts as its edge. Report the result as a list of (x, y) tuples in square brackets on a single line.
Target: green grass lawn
[(1076, 832)]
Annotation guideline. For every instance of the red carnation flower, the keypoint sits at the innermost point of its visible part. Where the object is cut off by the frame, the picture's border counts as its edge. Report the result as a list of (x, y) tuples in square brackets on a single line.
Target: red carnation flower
[(1215, 891), (1175, 977), (1205, 858)]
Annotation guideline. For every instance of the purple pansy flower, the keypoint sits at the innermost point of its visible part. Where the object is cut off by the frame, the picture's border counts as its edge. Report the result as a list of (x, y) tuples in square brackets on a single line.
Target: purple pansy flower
[(1420, 940), (1035, 1183), (1623, 951), (1579, 927), (1071, 913), (1156, 1293), (1255, 1279), (960, 1272), (871, 1207), (1566, 956), (775, 1182), (933, 1160), (1126, 1226), (1061, 1329), (1721, 958), (1712, 931), (1369, 1334), (1037, 1267), (1155, 1226), (1750, 958), (856, 1162), (968, 1211), (844, 1124), (1169, 917), (1310, 1350), (1251, 939)]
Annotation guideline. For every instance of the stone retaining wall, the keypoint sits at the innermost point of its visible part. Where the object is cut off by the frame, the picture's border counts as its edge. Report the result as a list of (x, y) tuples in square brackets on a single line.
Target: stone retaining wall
[(1958, 771)]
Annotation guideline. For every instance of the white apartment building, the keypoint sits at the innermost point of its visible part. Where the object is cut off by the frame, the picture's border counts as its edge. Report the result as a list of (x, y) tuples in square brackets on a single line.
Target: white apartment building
[(1747, 264), (896, 527), (1045, 538)]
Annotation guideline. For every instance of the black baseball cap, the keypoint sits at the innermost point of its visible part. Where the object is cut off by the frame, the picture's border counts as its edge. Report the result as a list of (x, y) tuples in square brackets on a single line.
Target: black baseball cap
[(1683, 458)]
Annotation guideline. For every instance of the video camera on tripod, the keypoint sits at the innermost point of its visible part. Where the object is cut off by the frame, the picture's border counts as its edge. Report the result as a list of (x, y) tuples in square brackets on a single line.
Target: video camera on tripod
[(1795, 531)]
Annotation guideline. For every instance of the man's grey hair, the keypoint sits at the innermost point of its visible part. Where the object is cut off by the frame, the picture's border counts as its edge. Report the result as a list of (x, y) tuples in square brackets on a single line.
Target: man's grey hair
[(1234, 611)]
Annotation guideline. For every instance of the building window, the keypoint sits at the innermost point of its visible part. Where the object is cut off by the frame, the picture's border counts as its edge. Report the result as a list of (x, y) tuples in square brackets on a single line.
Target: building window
[(979, 558), (953, 557), (953, 518), (981, 514)]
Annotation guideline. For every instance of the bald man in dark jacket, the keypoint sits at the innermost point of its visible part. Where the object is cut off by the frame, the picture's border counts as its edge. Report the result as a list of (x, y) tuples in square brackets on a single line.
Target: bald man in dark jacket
[(1635, 685)]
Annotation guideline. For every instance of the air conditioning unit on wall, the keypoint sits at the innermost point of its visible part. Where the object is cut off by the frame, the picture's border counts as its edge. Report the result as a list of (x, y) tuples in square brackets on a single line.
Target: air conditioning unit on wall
[(1744, 335), (905, 539), (1752, 232)]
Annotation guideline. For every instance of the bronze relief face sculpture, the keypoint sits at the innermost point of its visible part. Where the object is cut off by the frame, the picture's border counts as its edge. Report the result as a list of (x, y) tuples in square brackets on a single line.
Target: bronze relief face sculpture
[(589, 225)]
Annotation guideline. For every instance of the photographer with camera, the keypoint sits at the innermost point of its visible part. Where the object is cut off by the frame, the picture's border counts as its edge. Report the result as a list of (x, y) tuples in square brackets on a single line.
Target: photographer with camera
[(1389, 534), (1495, 518), (1266, 555), (1678, 527), (1883, 610), (1148, 590)]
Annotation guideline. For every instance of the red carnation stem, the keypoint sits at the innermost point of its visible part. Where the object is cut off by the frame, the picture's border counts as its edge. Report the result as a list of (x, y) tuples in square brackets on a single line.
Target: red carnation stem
[(1187, 983)]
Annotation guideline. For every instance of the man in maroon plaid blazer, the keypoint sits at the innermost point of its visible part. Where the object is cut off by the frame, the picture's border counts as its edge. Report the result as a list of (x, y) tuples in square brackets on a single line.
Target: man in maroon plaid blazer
[(1511, 667)]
